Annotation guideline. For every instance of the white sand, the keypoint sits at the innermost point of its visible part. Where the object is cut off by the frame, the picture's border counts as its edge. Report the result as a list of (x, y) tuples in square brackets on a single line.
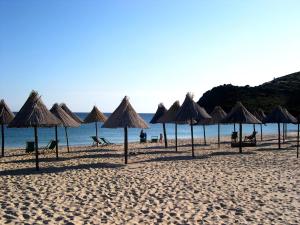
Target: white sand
[(93, 186)]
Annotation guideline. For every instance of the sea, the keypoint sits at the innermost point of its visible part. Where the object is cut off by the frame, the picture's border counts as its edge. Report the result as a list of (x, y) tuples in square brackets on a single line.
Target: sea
[(81, 136)]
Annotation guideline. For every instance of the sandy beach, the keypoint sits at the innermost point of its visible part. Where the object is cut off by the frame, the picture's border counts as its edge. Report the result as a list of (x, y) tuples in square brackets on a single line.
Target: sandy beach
[(159, 186)]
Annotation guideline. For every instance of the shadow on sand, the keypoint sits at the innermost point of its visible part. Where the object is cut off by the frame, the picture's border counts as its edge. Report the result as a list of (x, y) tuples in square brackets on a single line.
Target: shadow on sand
[(49, 170)]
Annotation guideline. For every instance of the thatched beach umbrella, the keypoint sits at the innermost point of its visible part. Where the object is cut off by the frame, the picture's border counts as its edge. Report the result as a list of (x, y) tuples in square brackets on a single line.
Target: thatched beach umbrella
[(239, 114), (74, 117), (125, 117), (34, 114), (161, 110), (191, 111), (70, 113), (260, 114), (218, 114), (95, 116), (6, 116), (285, 125), (169, 117), (206, 118), (66, 121), (279, 115)]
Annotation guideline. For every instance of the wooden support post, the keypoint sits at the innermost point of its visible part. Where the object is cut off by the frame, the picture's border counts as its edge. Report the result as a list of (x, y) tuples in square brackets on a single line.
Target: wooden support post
[(126, 144), (66, 132), (3, 140), (36, 148), (279, 144), (176, 141), (218, 135), (241, 130), (56, 139), (192, 135), (165, 135)]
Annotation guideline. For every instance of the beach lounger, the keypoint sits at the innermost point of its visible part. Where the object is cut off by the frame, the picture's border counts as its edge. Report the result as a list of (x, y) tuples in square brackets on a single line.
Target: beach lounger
[(50, 146), (29, 147), (251, 138), (106, 141), (154, 139), (97, 140)]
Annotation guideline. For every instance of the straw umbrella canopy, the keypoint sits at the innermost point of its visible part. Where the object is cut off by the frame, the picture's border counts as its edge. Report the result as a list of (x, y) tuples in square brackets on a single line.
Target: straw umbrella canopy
[(284, 130), (65, 120), (205, 121), (169, 117), (70, 113), (125, 117), (239, 114), (161, 110), (217, 115), (74, 117), (6, 116), (191, 111), (260, 114), (34, 114), (279, 115), (95, 116)]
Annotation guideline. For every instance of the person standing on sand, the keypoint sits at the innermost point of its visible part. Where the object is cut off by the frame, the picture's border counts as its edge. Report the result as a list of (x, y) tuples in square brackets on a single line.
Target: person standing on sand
[(160, 138)]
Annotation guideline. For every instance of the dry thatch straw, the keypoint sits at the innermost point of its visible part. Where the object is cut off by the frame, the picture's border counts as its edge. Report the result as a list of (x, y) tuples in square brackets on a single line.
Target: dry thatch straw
[(70, 113), (217, 115), (169, 117), (66, 121), (190, 111), (160, 112), (6, 116), (279, 115), (125, 116), (239, 114), (34, 114), (63, 116), (95, 116)]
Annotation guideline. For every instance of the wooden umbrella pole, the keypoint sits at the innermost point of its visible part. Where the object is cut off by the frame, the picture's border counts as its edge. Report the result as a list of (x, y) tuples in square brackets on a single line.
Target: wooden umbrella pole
[(36, 148), (241, 127), (234, 127), (254, 128), (2, 134), (165, 135), (204, 134), (96, 133), (192, 136), (176, 143), (279, 144), (56, 139), (283, 137), (218, 135), (261, 134), (126, 144), (66, 132), (298, 141)]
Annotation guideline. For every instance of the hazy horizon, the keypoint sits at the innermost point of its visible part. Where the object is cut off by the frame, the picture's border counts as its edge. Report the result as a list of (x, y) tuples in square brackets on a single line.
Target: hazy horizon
[(94, 53)]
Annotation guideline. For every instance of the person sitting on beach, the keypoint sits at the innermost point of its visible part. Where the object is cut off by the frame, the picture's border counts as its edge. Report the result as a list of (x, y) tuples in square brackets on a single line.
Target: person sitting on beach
[(160, 137), (142, 134)]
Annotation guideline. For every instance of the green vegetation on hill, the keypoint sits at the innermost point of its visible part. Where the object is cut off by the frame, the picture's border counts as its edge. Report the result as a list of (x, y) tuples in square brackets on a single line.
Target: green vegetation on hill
[(284, 91)]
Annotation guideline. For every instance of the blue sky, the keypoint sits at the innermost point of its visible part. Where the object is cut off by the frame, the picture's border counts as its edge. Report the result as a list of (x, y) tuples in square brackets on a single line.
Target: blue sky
[(89, 53)]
